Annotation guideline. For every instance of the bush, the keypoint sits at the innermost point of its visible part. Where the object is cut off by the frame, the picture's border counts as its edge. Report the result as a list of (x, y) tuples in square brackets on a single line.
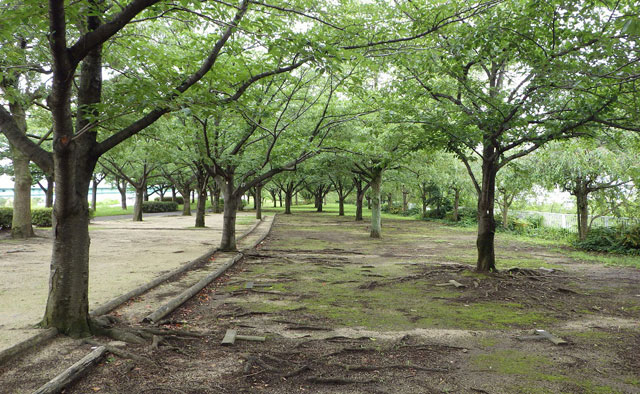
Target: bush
[(159, 206), (415, 211), (42, 217), (614, 240), (6, 215), (179, 199)]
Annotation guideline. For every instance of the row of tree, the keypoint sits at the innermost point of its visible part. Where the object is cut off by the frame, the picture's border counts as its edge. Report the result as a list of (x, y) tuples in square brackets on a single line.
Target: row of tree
[(240, 93)]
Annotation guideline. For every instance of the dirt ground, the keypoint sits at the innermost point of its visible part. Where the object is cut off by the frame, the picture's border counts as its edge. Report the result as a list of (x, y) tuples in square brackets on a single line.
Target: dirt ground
[(123, 255), (343, 313)]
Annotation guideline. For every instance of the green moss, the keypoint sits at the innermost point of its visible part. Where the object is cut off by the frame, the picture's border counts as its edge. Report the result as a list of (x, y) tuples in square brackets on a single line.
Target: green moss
[(512, 362)]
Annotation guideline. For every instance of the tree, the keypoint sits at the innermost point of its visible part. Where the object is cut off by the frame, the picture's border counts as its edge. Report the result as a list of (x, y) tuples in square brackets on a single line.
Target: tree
[(584, 168), (517, 77), (77, 148)]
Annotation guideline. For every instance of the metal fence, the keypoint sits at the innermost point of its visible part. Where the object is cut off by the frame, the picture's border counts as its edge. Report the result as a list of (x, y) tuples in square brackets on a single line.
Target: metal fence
[(570, 221)]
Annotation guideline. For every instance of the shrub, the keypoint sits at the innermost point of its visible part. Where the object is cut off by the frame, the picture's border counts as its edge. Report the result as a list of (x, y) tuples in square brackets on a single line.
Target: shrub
[(6, 216), (179, 199), (412, 212), (630, 238), (42, 217), (159, 206)]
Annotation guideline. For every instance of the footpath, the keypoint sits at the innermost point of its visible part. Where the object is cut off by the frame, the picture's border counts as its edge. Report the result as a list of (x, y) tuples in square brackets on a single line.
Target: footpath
[(41, 358)]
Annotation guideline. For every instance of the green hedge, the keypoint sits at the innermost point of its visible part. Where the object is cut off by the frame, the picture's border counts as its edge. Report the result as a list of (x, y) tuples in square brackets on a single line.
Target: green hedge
[(6, 215), (624, 240), (159, 206), (179, 199), (41, 217)]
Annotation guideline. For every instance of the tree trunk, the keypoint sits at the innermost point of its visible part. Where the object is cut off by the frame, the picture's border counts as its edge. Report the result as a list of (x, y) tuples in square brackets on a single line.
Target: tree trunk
[(186, 207), (390, 201), (359, 198), (216, 200), (368, 202), (376, 183), (456, 205), (582, 207), (319, 199), (137, 206), (287, 202), (49, 192), (145, 193), (21, 222), (94, 193), (505, 215), (228, 241), (340, 206), (273, 197), (257, 199), (193, 196), (280, 197), (122, 188), (405, 204), (486, 221), (296, 198), (200, 208), (173, 193)]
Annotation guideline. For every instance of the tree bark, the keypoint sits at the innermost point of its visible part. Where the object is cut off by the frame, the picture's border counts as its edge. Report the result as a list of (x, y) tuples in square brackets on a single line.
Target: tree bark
[(257, 198), (582, 207), (216, 200), (456, 205), (280, 197), (173, 193), (486, 220), (273, 198), (201, 206), (49, 192), (228, 241), (21, 222), (376, 183), (287, 202), (340, 206), (319, 198), (137, 207), (122, 188), (94, 193), (186, 207), (405, 204)]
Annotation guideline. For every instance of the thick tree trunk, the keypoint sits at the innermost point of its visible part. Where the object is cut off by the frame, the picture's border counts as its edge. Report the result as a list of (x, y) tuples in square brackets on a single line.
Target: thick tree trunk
[(200, 208), (186, 207), (486, 221), (340, 206), (228, 242), (193, 196), (145, 194), (582, 208), (49, 192), (257, 198), (137, 207), (287, 202), (21, 222), (376, 224), (368, 202), (319, 197)]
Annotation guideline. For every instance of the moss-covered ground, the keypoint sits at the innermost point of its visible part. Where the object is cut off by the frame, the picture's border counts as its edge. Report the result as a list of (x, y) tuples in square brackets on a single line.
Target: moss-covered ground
[(344, 313)]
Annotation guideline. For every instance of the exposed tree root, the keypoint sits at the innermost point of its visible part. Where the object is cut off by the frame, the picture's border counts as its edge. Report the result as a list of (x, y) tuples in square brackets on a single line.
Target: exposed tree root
[(119, 352), (339, 381), (366, 368)]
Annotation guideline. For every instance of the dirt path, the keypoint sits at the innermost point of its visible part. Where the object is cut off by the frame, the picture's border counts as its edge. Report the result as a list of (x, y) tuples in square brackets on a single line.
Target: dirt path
[(343, 313), (124, 255)]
